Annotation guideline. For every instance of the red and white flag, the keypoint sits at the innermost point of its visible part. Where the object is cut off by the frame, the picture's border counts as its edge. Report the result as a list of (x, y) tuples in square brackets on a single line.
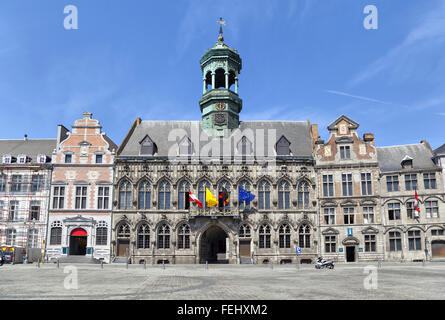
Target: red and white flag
[(193, 198), (416, 206)]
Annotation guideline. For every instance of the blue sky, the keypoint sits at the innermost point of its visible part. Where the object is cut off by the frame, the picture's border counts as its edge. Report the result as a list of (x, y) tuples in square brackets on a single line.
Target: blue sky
[(302, 60)]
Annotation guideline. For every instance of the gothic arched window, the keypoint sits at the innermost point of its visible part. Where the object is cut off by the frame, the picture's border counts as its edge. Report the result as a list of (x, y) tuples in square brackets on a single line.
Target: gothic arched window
[(283, 195), (225, 185), (183, 193), (303, 195), (184, 237), (125, 195), (203, 185), (264, 236), (304, 236), (144, 195), (143, 236), (164, 195), (244, 231), (164, 237), (264, 195), (246, 186), (284, 235), (123, 231)]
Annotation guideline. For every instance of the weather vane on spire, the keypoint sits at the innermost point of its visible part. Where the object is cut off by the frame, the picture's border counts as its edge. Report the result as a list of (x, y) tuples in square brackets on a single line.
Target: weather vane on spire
[(221, 23)]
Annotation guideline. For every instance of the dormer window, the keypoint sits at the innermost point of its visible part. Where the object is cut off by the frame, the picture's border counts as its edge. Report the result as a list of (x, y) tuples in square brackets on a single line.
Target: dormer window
[(148, 147), (283, 146), (345, 152), (7, 159), (99, 158), (185, 146), (41, 158), (68, 158), (244, 146), (22, 158), (407, 162)]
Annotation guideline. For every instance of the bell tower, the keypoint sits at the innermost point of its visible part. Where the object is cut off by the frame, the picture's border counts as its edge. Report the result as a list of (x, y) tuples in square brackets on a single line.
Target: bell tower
[(220, 104)]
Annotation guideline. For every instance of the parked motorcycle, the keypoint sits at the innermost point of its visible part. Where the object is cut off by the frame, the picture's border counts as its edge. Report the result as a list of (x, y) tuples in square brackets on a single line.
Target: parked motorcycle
[(321, 264)]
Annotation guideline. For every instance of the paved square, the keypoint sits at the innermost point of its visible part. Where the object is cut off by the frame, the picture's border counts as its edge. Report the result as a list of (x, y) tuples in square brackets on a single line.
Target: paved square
[(234, 282)]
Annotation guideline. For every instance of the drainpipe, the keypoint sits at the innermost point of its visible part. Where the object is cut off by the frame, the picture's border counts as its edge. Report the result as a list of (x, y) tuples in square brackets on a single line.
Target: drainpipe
[(51, 168)]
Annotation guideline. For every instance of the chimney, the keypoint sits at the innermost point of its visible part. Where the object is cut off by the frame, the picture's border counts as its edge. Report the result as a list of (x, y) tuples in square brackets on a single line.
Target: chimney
[(314, 132), (87, 115), (25, 138), (369, 137), (426, 144)]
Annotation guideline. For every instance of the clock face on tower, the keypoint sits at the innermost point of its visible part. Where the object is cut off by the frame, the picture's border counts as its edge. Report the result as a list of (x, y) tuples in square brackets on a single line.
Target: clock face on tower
[(220, 106)]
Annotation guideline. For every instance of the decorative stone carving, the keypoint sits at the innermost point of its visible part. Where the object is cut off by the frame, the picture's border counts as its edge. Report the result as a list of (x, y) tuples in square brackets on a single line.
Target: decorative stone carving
[(219, 119)]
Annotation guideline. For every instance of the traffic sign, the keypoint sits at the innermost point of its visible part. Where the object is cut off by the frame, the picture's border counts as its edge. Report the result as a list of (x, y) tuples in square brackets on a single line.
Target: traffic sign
[(298, 250)]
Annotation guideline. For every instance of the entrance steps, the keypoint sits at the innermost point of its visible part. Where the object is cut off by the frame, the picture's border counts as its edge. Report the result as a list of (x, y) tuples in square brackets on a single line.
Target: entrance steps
[(77, 259), (245, 261), (119, 260)]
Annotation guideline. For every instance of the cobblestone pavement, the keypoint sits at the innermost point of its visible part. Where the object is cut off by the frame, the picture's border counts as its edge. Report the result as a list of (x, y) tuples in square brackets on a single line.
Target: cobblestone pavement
[(234, 282)]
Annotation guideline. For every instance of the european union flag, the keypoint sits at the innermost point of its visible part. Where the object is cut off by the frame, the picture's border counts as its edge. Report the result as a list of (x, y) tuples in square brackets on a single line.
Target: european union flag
[(244, 195)]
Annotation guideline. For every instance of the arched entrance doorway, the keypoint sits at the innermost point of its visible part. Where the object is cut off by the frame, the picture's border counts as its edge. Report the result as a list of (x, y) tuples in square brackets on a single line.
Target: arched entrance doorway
[(78, 242), (213, 245)]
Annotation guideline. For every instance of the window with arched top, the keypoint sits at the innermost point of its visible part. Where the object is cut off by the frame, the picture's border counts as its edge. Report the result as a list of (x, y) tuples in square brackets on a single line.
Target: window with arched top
[(143, 236), (56, 233), (164, 237), (244, 184), (203, 185), (183, 194), (303, 195), (123, 231), (125, 195), (304, 236), (144, 195), (264, 195), (284, 236), (264, 236), (283, 195), (102, 233), (221, 186), (184, 237), (244, 231), (164, 195)]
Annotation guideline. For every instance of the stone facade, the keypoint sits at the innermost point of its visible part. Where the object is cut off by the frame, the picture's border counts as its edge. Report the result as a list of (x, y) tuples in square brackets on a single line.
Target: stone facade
[(348, 190), (81, 198)]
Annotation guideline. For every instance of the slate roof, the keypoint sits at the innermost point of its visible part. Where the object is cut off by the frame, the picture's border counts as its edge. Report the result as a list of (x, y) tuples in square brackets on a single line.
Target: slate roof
[(31, 147), (440, 151), (297, 132), (390, 158)]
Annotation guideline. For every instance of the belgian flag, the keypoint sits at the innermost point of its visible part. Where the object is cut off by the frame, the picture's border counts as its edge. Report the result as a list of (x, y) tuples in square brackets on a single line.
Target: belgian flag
[(223, 198)]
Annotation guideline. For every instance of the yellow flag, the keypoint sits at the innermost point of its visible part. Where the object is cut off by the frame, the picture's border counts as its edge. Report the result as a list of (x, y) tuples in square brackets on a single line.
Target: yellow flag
[(210, 199)]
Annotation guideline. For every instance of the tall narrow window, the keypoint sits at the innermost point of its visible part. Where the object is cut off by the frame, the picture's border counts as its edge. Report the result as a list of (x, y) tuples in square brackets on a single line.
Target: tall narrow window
[(164, 237), (394, 211), (13, 210), (144, 195), (366, 184), (99, 158), (184, 237), (225, 185), (264, 237), (284, 236), (392, 183), (303, 195), (125, 195), (183, 191), (81, 197), (16, 185), (37, 183), (102, 233), (429, 180), (264, 195), (347, 184), (103, 197), (283, 195), (395, 241), (2, 183), (143, 236), (328, 185), (304, 236), (203, 185), (370, 243), (56, 233), (164, 195), (345, 152), (348, 215), (410, 209), (58, 197), (246, 186), (329, 215), (414, 240), (330, 244), (368, 215), (410, 181), (34, 212), (33, 236), (10, 237)]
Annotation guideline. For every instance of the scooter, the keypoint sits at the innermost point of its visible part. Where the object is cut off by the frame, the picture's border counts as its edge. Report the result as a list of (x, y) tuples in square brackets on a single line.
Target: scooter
[(321, 264)]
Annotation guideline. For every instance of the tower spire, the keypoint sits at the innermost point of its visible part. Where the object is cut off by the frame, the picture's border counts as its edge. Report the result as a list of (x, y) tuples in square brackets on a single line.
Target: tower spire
[(221, 23)]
